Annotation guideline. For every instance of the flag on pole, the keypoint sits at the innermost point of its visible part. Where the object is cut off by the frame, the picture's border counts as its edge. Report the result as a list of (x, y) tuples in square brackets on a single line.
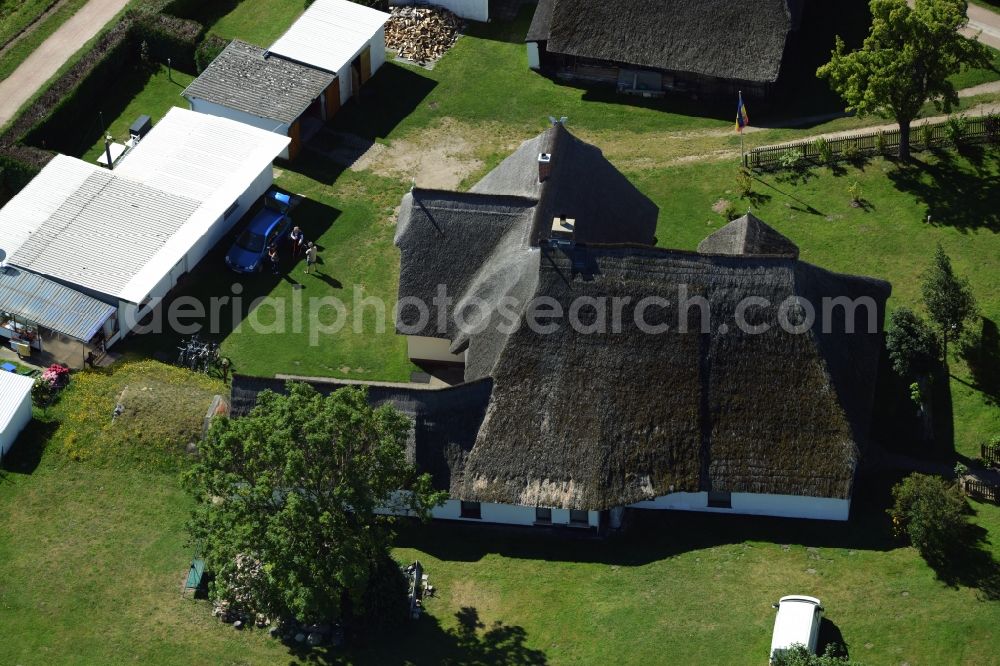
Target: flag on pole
[(742, 119)]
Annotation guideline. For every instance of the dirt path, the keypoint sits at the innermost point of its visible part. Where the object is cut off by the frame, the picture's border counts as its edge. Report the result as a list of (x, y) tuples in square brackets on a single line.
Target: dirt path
[(50, 55), (987, 23)]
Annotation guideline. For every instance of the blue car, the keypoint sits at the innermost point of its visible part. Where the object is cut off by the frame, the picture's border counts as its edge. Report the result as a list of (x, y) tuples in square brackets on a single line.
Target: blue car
[(269, 226)]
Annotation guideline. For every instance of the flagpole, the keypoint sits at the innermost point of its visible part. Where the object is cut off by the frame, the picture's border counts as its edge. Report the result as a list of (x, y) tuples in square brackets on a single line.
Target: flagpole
[(743, 158)]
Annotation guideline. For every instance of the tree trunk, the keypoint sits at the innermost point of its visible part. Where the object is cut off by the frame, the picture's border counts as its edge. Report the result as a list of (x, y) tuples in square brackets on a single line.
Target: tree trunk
[(904, 140), (925, 409)]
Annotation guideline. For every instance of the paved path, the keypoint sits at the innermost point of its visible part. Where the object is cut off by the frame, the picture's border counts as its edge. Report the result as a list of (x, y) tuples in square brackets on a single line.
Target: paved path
[(985, 21), (51, 54)]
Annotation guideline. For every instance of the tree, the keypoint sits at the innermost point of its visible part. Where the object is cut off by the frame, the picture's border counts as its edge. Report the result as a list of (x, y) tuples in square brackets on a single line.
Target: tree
[(287, 499), (948, 298), (798, 655), (931, 513), (914, 353), (905, 62)]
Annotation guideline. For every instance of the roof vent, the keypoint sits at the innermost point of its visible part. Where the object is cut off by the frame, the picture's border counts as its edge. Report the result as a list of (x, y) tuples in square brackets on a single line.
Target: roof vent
[(563, 227), (544, 166)]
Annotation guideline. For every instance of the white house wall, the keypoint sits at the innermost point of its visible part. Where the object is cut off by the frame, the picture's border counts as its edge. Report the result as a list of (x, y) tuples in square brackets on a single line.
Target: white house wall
[(18, 420), (500, 514), (474, 10), (220, 111), (376, 48), (130, 313), (783, 506), (534, 62)]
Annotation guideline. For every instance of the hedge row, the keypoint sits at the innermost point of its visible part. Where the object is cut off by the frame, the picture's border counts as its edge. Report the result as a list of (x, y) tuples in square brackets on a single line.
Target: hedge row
[(54, 118)]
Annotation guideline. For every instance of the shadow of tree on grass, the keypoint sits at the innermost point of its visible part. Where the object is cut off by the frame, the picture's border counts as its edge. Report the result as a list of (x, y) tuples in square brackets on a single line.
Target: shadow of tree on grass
[(953, 189)]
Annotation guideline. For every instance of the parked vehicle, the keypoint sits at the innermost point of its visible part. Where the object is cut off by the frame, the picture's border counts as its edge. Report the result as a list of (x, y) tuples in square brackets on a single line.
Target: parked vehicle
[(269, 226), (797, 622)]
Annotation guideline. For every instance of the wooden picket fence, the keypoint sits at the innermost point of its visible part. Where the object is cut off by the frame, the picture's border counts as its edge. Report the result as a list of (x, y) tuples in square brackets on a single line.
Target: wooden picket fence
[(980, 490), (990, 453), (978, 129)]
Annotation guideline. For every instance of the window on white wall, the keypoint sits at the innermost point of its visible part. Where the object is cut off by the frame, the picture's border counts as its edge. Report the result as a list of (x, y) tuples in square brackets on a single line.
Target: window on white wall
[(471, 510), (232, 209), (578, 517), (543, 515), (718, 499)]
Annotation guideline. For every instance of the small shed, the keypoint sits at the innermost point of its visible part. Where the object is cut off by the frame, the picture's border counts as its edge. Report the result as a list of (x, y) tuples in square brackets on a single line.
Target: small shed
[(250, 85), (340, 37), (15, 408)]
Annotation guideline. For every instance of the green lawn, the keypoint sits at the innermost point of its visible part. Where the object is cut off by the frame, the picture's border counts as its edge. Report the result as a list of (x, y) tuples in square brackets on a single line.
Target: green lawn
[(94, 554), (159, 94), (16, 15), (259, 22), (26, 45)]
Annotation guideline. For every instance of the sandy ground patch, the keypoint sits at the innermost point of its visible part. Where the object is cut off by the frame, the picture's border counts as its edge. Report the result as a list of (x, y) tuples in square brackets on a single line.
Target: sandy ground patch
[(436, 158)]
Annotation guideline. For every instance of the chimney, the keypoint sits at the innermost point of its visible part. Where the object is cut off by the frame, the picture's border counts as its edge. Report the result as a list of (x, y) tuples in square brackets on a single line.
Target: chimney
[(544, 167)]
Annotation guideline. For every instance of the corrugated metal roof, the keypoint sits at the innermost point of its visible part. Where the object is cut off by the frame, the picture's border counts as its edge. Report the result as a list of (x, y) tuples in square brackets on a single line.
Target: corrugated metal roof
[(104, 233), (207, 158), (329, 33), (51, 304), (39, 199), (244, 79), (120, 232), (14, 390)]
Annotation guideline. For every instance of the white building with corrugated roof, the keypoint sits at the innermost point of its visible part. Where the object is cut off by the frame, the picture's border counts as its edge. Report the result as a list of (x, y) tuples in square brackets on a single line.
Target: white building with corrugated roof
[(99, 247), (15, 408)]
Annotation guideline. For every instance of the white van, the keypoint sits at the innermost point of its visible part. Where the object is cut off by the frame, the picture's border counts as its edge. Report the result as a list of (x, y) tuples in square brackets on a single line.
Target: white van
[(797, 621)]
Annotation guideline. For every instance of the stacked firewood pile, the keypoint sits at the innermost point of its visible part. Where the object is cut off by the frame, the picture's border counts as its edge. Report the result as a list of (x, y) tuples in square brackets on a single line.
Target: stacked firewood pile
[(421, 34)]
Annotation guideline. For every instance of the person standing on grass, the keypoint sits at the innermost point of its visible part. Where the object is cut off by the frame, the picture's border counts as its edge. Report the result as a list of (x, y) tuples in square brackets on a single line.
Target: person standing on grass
[(311, 251), (272, 254), (298, 239)]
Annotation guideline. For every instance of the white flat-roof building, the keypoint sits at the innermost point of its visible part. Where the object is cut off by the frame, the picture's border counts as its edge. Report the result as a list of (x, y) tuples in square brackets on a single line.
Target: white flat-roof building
[(337, 36), (124, 237), (15, 408)]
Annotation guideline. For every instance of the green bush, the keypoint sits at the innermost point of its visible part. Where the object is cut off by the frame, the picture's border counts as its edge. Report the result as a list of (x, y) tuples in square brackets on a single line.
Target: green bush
[(881, 144), (169, 37), (855, 191), (930, 512), (744, 182), (955, 129), (851, 152), (798, 655), (208, 50), (791, 159), (927, 135), (824, 150)]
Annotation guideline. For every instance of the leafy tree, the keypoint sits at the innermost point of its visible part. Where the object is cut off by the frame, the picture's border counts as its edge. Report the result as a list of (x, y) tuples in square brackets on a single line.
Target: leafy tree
[(798, 655), (948, 298), (914, 353), (287, 499), (912, 345), (930, 512), (905, 61)]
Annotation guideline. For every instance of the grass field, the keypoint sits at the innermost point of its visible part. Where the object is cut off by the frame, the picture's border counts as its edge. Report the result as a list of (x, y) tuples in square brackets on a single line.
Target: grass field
[(94, 554), (158, 94), (16, 15), (17, 53)]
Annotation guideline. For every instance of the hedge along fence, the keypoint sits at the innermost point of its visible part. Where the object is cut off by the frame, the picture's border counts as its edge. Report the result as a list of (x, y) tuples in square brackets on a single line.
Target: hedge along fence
[(979, 129), (53, 119)]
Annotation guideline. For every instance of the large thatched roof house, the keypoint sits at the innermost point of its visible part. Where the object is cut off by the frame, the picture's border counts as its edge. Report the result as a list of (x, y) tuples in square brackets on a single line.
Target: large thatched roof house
[(714, 388), (703, 46)]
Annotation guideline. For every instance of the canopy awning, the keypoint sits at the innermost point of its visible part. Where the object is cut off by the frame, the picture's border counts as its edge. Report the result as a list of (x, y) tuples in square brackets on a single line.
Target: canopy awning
[(47, 303)]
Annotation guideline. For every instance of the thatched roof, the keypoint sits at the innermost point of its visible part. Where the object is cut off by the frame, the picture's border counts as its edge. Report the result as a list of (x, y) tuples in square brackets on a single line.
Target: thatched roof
[(600, 420), (728, 40), (445, 421), (749, 235), (594, 420), (476, 242)]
